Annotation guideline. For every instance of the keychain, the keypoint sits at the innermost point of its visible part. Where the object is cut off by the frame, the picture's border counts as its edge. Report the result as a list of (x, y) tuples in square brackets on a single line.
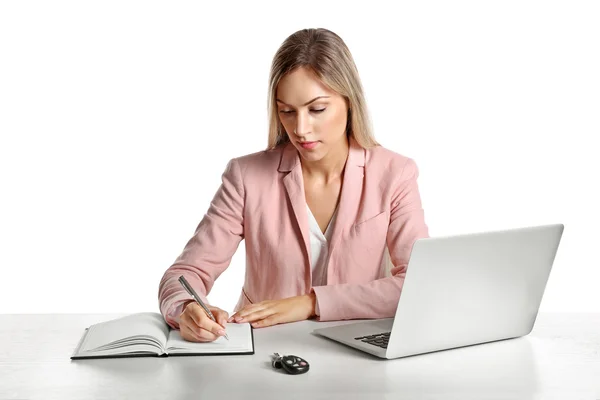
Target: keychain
[(293, 365)]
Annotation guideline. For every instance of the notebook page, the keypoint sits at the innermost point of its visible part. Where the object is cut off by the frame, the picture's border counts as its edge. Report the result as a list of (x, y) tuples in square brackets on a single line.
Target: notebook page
[(240, 340), (141, 324), (129, 350)]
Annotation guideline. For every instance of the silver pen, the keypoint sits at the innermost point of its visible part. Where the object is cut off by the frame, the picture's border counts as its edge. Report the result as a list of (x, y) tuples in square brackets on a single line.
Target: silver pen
[(193, 293)]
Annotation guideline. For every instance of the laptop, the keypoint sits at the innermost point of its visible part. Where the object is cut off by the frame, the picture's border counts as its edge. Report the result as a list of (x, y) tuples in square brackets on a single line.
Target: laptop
[(461, 290)]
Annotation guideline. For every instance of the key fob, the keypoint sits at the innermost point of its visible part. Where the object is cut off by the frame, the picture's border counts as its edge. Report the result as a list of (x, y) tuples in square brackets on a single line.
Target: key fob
[(294, 365), (276, 363)]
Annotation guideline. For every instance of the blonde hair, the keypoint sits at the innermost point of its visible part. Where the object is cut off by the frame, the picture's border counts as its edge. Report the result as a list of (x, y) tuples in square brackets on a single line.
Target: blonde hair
[(327, 56)]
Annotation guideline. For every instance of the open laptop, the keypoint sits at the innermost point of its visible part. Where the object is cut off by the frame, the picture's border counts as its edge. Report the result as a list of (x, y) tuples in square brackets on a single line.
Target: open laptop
[(462, 290)]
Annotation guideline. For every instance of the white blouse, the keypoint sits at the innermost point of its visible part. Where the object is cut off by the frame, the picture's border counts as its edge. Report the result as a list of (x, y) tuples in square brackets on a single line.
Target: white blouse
[(319, 248)]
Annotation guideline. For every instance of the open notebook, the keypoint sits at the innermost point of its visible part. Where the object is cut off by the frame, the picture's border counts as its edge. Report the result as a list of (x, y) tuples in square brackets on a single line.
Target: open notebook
[(147, 334)]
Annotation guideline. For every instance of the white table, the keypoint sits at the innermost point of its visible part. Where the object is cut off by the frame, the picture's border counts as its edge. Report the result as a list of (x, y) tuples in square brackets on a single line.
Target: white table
[(560, 359)]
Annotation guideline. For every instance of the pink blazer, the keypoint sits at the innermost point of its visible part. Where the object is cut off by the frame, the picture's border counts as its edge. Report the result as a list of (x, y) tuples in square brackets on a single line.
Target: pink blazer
[(261, 199)]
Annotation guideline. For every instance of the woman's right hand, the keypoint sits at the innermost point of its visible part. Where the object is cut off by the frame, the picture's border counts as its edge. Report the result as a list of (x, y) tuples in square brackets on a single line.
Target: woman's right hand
[(196, 326)]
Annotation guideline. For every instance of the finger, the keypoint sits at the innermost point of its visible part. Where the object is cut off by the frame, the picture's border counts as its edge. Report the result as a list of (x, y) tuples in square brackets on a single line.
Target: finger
[(234, 316), (244, 310), (243, 313), (197, 334), (259, 314), (213, 327), (221, 316), (200, 332), (196, 316), (188, 334), (189, 328), (273, 319), (186, 328)]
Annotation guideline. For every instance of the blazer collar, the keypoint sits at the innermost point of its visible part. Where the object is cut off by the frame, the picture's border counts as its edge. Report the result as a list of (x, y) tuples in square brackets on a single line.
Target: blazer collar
[(348, 204)]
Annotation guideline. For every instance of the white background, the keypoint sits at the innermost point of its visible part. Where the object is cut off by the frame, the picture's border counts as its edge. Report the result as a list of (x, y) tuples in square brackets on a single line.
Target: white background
[(118, 118)]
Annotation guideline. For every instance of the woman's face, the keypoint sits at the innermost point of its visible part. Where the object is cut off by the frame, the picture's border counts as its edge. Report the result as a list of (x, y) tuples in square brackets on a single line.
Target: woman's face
[(319, 124)]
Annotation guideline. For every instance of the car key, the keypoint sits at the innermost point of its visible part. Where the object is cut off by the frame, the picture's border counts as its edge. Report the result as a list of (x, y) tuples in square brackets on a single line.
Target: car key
[(291, 364), (276, 363)]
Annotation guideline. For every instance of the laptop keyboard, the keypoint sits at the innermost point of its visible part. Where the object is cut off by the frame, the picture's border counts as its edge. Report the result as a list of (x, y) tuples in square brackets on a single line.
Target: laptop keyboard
[(380, 339)]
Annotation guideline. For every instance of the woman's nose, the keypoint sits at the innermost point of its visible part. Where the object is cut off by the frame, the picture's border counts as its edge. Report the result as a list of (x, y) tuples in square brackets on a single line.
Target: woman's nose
[(302, 125)]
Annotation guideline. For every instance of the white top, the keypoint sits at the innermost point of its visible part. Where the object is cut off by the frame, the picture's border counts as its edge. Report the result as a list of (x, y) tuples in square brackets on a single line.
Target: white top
[(319, 248)]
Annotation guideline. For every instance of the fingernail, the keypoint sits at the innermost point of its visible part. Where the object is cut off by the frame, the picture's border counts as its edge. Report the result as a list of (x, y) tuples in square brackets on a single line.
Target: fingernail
[(239, 319), (221, 332)]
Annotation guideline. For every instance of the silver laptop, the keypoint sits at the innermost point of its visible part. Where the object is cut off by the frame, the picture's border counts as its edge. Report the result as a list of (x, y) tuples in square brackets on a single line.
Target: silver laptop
[(462, 290)]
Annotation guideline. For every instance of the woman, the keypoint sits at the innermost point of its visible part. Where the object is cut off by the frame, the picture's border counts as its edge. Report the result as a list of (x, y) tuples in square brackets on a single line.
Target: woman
[(317, 208)]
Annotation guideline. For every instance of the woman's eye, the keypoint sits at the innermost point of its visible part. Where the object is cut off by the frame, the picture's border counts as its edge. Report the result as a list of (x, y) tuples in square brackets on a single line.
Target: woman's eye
[(317, 111)]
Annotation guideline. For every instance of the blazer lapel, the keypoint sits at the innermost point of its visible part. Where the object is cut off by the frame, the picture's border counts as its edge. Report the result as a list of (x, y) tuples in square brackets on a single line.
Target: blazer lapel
[(352, 187), (294, 186)]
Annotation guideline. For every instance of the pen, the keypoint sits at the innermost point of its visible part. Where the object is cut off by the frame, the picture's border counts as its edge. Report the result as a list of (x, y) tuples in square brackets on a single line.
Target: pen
[(192, 293)]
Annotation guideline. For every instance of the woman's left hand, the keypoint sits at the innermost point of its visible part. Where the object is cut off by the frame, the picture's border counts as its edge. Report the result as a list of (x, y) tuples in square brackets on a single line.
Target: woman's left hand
[(273, 312)]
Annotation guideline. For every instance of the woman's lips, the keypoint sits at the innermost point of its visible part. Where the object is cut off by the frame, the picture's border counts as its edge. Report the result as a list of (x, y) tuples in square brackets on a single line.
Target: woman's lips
[(308, 145)]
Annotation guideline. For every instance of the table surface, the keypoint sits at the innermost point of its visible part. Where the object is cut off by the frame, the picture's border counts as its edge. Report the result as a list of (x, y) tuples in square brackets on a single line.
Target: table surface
[(560, 359)]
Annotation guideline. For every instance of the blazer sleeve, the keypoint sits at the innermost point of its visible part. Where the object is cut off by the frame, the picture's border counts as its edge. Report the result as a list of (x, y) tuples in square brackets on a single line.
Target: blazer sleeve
[(379, 298), (208, 253)]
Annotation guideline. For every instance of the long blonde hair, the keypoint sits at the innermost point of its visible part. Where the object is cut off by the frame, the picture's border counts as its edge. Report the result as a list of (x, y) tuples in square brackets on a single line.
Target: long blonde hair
[(324, 53)]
